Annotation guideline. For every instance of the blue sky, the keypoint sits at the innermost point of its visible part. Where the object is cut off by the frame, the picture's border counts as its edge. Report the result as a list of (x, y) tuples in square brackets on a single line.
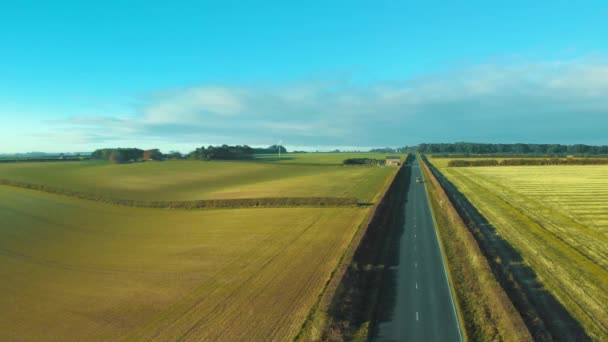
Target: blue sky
[(78, 75)]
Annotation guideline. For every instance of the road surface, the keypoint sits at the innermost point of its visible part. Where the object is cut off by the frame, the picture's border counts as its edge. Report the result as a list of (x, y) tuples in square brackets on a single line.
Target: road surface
[(415, 302)]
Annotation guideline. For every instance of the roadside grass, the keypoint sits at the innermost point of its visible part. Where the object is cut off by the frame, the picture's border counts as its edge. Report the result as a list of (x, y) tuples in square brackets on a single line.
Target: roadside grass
[(196, 180), (487, 313), (557, 218), (81, 270)]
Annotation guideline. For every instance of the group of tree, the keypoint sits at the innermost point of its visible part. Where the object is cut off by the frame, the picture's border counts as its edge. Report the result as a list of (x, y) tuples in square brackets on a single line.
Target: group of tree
[(363, 161), (119, 155), (513, 149), (127, 155), (528, 162), (226, 152), (223, 152), (389, 150)]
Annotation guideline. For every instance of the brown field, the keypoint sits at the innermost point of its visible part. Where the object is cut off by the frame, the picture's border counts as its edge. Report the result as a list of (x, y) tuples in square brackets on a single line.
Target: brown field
[(81, 270)]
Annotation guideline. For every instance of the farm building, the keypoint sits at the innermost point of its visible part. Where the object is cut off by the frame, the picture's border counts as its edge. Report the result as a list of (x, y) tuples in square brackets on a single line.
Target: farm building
[(393, 161)]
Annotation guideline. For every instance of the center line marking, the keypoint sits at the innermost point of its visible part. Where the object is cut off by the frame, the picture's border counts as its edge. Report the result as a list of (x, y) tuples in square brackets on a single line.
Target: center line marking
[(416, 315), (416, 285)]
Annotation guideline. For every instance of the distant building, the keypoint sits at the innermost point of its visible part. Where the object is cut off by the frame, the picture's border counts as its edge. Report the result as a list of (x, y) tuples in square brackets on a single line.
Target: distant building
[(393, 161)]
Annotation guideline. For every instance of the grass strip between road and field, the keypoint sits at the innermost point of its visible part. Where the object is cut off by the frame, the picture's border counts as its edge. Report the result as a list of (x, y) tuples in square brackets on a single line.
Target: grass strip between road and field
[(484, 309), (262, 202), (318, 326)]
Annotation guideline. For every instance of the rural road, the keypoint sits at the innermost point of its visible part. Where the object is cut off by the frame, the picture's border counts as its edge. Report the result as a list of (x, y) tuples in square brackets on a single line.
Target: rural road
[(415, 303)]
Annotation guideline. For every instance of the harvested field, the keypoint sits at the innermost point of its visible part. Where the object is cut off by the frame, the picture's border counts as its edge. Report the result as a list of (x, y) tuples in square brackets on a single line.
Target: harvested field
[(81, 270), (556, 217)]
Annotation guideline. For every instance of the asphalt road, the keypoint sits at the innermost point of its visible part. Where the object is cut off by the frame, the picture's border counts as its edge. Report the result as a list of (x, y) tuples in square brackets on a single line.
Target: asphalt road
[(415, 301)]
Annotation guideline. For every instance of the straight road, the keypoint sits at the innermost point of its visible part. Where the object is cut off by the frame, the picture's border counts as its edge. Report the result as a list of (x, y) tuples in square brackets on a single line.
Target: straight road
[(420, 305)]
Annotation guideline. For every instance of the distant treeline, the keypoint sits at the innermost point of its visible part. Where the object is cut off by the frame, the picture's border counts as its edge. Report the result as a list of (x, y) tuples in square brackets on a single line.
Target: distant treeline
[(403, 149), (226, 152), (363, 161), (528, 162), (119, 155), (223, 152), (58, 159), (513, 149), (274, 202)]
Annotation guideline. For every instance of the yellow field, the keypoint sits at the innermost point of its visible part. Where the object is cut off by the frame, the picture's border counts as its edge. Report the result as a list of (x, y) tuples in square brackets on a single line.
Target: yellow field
[(557, 217), (81, 270)]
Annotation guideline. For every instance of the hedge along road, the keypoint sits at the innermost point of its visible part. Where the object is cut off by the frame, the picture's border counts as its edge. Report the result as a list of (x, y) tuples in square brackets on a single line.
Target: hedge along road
[(415, 302)]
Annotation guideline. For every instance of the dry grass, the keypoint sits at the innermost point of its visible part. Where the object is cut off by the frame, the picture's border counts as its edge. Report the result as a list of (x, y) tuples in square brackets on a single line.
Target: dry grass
[(557, 217), (80, 270)]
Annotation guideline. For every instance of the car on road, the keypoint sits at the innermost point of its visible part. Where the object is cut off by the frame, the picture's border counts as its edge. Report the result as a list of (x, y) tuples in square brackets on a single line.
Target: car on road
[(418, 180)]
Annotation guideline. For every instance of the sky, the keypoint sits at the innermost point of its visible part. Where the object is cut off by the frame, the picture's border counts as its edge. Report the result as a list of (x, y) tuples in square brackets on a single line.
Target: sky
[(175, 75)]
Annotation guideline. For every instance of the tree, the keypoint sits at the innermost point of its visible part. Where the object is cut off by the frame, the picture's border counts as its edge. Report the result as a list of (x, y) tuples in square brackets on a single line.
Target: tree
[(153, 154)]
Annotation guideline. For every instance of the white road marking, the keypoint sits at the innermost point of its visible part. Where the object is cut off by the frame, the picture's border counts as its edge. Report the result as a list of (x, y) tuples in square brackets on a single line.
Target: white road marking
[(415, 264), (416, 315), (416, 285)]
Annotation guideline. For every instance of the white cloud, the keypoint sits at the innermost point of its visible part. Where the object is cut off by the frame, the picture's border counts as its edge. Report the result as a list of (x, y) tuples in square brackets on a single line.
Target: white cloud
[(565, 101)]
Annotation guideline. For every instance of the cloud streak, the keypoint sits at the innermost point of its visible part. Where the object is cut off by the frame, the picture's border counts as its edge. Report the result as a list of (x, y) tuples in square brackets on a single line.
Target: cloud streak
[(564, 101)]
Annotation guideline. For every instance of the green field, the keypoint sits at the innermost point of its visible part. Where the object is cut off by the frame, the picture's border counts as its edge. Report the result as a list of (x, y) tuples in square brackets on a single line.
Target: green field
[(193, 180), (81, 270), (557, 217)]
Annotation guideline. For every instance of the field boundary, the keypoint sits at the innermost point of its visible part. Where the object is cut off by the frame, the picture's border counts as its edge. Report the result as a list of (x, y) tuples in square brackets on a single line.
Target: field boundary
[(231, 203), (544, 316), (352, 279)]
